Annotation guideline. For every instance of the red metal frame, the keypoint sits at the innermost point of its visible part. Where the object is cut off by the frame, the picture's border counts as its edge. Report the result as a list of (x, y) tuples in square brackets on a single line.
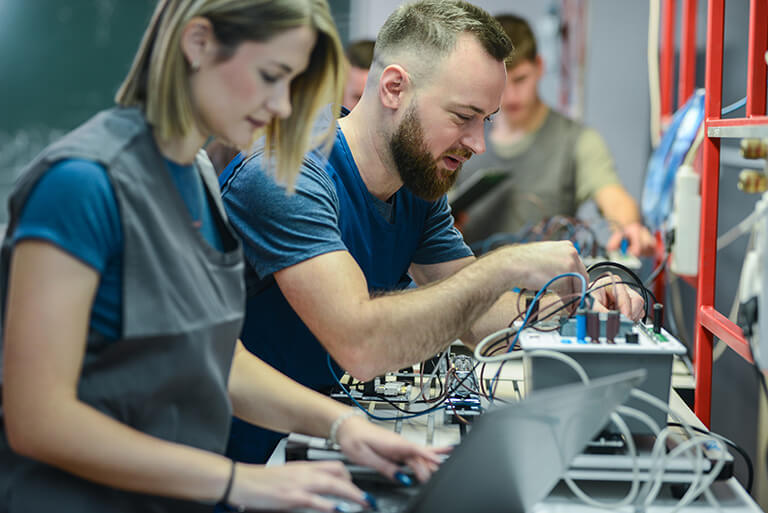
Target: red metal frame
[(687, 65), (686, 86), (758, 42), (709, 322), (667, 58)]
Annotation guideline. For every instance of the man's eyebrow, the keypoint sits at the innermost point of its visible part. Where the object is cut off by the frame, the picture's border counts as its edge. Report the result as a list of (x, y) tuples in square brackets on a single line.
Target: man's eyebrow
[(475, 109)]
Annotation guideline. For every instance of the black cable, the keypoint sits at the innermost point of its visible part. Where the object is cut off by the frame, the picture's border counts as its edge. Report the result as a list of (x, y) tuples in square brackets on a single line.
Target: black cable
[(629, 272), (742, 452), (570, 302), (761, 379), (435, 406), (662, 265)]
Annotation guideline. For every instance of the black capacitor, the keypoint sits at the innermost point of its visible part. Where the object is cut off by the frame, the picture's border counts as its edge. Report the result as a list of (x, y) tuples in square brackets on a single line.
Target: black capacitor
[(630, 338), (534, 311), (611, 325), (658, 317), (593, 327)]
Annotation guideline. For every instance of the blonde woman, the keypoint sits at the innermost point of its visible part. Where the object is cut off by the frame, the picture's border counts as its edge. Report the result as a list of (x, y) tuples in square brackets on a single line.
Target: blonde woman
[(122, 284)]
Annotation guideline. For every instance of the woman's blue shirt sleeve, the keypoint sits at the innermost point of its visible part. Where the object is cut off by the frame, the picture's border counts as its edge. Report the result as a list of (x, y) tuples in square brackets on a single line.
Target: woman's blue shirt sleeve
[(73, 207)]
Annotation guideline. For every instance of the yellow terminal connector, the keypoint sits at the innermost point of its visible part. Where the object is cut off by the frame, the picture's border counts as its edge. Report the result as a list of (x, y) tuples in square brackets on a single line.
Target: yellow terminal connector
[(754, 148), (753, 181)]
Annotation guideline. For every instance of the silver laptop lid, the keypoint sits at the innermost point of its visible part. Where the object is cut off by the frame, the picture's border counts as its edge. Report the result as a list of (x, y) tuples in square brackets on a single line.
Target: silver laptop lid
[(514, 455)]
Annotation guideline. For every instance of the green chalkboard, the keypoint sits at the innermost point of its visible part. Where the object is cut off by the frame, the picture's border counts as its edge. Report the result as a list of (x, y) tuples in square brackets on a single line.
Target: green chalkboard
[(62, 61)]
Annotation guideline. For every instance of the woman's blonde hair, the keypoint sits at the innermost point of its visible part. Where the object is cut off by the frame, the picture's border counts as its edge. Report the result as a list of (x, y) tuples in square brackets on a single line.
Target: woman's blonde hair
[(158, 81)]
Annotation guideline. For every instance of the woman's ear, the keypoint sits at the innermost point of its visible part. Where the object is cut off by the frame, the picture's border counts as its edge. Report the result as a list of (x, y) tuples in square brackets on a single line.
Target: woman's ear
[(394, 83), (197, 42)]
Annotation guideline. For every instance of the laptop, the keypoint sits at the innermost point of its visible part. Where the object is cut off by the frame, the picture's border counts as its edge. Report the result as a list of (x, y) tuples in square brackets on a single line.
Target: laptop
[(514, 455)]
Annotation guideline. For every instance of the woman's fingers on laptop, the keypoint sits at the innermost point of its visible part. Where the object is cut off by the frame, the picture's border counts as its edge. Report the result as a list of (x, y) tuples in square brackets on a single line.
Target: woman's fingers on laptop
[(294, 485), (422, 468), (379, 448)]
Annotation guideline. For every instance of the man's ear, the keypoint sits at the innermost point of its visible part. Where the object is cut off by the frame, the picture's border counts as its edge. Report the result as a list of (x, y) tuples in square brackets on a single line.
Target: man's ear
[(198, 42), (540, 66), (394, 83)]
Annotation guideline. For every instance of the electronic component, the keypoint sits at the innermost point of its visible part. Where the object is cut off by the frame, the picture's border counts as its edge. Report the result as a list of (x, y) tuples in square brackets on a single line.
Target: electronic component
[(658, 317), (381, 388), (392, 389), (464, 402), (620, 345)]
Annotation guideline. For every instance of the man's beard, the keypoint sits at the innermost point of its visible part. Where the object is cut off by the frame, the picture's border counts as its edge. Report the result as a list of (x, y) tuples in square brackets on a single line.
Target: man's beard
[(414, 163)]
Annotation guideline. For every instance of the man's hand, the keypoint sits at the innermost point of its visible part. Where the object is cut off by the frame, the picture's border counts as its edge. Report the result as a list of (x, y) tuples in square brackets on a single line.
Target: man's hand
[(373, 446), (610, 295), (543, 261), (641, 242)]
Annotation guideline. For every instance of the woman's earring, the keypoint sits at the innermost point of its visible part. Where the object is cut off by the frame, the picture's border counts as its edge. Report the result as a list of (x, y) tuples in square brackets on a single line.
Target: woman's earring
[(195, 66)]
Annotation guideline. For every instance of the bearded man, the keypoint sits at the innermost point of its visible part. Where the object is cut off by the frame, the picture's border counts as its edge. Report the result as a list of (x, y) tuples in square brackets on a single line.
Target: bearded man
[(330, 265)]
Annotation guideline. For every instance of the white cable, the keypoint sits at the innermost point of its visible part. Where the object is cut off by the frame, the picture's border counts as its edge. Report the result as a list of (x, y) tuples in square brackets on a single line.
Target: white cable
[(740, 229), (660, 458), (573, 364), (688, 161), (632, 494), (654, 11), (516, 355), (700, 481), (489, 339), (431, 377), (615, 418), (640, 415)]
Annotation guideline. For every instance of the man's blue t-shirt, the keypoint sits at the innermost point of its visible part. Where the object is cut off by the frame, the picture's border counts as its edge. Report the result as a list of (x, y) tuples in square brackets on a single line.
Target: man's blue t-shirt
[(330, 210), (73, 206)]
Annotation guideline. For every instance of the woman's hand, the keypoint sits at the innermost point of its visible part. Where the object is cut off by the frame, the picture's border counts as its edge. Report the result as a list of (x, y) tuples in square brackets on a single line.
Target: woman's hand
[(293, 485), (373, 446)]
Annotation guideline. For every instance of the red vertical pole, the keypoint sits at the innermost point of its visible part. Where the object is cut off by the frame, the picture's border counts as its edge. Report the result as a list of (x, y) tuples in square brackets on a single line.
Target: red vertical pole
[(687, 52), (758, 44), (710, 183), (667, 71)]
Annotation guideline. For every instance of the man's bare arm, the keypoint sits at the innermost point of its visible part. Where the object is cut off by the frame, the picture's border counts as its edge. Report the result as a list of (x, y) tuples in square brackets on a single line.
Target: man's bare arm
[(371, 335)]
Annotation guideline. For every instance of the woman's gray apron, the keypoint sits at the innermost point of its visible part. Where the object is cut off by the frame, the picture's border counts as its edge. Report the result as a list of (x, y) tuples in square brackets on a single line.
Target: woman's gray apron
[(182, 313)]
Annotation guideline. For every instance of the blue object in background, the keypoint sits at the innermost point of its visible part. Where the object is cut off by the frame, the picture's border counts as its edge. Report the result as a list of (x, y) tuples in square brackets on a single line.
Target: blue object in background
[(662, 167)]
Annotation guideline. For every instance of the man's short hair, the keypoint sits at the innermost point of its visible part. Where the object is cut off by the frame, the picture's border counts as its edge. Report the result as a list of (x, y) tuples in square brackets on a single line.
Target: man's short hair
[(360, 53), (519, 32), (430, 28)]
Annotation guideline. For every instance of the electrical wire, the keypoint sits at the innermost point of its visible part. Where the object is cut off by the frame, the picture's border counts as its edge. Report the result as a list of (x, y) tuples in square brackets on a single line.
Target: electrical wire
[(734, 446), (541, 291), (659, 268), (760, 378), (410, 415), (700, 483), (744, 226), (734, 106), (688, 160), (638, 283), (534, 303)]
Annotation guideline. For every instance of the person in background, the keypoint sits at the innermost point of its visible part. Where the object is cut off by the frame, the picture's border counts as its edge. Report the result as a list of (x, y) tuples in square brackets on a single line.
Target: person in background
[(359, 58), (122, 284), (328, 264), (554, 163)]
